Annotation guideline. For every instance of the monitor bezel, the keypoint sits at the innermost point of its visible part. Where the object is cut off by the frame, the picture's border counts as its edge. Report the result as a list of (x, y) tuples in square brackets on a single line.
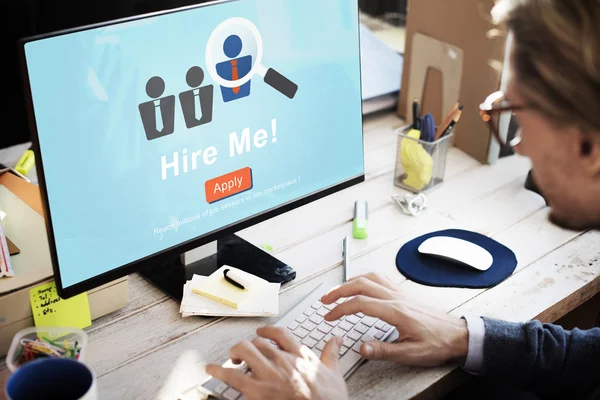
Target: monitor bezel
[(173, 251)]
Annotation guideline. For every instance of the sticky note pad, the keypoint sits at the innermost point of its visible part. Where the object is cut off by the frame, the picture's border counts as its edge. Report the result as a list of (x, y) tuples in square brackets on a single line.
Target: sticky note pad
[(50, 310), (215, 287)]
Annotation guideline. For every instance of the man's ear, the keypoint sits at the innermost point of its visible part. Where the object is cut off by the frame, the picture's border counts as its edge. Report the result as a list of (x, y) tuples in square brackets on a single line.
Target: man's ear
[(590, 154)]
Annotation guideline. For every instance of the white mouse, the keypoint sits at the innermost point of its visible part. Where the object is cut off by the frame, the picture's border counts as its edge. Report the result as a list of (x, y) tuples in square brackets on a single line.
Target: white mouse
[(457, 250)]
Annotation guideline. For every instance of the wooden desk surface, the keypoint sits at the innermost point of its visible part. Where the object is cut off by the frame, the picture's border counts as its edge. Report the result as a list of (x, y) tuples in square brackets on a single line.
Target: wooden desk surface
[(148, 351)]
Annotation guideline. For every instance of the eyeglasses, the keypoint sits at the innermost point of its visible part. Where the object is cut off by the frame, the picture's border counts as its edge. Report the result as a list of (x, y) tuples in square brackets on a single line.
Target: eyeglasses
[(496, 110)]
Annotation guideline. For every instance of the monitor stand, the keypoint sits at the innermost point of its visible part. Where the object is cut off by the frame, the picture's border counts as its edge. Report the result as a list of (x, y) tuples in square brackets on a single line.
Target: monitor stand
[(230, 250)]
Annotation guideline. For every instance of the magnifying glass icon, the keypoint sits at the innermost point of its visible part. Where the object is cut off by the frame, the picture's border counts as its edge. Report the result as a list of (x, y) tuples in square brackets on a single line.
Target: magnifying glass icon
[(271, 77)]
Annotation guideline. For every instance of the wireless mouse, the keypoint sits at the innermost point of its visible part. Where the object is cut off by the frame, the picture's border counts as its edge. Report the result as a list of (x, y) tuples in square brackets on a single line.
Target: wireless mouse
[(457, 250)]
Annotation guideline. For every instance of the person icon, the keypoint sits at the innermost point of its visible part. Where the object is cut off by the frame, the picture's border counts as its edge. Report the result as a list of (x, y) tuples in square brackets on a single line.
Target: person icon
[(158, 115), (234, 69), (196, 104)]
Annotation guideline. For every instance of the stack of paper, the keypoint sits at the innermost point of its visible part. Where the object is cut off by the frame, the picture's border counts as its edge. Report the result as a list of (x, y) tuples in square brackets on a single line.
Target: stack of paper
[(261, 299)]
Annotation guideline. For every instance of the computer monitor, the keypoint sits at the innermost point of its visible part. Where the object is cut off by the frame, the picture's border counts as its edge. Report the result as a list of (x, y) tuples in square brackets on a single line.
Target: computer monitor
[(168, 132)]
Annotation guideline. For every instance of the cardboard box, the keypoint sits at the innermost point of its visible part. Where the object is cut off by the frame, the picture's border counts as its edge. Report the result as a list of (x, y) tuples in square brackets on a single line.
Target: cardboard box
[(462, 25), (25, 226)]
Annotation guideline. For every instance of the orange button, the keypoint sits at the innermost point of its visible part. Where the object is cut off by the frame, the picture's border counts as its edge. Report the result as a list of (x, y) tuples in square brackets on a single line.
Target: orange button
[(229, 184)]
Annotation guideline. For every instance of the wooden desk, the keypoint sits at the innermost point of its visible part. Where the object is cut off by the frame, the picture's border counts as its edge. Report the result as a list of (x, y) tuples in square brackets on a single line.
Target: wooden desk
[(148, 351)]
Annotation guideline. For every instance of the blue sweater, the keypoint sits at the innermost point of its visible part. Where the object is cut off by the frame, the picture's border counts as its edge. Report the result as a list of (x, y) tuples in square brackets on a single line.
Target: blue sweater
[(544, 359)]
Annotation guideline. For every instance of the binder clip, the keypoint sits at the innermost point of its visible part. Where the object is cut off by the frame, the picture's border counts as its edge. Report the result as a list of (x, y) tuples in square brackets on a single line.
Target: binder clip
[(411, 204)]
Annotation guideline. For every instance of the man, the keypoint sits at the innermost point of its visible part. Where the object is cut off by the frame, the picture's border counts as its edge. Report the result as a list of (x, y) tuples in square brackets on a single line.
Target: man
[(555, 95)]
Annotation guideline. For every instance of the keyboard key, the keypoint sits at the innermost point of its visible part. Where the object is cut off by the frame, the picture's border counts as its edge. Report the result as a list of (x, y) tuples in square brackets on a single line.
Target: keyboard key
[(324, 328), (343, 350), (330, 306), (379, 324), (360, 315), (231, 394), (368, 321), (356, 347), (301, 332), (221, 387), (333, 323), (243, 397), (301, 318), (309, 312), (321, 345), (386, 327), (353, 319), (341, 300), (317, 305), (327, 337), (349, 360), (348, 342), (367, 338), (317, 352), (322, 311), (309, 326), (379, 335), (338, 332), (293, 326), (316, 319), (354, 335), (309, 342), (361, 328), (345, 326), (318, 335)]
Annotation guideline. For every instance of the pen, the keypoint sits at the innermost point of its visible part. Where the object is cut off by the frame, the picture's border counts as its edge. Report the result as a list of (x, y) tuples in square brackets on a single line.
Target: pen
[(346, 258), (416, 122), (232, 280)]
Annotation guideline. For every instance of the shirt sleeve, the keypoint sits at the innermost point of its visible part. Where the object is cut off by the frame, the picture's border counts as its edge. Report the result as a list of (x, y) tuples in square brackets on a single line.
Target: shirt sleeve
[(476, 328)]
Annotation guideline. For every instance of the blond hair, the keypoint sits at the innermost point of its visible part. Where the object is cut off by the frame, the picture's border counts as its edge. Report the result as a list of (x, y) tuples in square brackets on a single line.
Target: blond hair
[(556, 57)]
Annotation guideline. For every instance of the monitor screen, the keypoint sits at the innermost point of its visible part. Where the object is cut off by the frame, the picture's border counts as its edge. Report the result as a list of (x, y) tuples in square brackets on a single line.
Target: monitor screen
[(163, 130)]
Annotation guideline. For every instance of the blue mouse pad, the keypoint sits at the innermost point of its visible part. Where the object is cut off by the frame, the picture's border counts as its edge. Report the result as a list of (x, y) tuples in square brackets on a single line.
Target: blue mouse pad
[(431, 271)]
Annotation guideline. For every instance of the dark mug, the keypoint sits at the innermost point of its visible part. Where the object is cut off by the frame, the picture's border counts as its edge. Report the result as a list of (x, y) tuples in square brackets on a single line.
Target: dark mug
[(52, 378)]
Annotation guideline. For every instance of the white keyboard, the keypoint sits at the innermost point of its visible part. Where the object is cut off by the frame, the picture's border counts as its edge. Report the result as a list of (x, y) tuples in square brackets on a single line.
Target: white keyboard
[(306, 322)]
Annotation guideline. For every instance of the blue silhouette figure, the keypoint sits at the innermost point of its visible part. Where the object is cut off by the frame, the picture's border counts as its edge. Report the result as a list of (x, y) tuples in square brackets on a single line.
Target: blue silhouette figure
[(234, 69)]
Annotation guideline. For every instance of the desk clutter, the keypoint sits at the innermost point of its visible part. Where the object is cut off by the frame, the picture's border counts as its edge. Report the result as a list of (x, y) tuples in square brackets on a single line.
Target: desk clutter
[(230, 292), (422, 149), (32, 344)]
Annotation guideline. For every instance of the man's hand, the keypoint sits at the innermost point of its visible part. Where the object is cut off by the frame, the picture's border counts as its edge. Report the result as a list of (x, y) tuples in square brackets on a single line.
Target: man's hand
[(291, 372), (427, 337)]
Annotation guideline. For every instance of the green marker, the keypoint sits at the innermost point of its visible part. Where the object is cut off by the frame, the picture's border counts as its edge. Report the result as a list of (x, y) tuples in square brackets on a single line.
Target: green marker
[(361, 221)]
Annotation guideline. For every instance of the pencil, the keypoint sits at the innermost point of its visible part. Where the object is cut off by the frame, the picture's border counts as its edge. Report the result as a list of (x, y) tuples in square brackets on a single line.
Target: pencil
[(446, 121), (455, 120)]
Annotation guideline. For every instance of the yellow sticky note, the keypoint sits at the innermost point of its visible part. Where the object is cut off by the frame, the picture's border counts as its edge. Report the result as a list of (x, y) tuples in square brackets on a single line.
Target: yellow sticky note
[(50, 310)]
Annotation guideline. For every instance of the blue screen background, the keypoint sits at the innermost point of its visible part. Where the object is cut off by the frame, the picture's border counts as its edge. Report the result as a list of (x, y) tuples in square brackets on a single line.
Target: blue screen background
[(106, 195)]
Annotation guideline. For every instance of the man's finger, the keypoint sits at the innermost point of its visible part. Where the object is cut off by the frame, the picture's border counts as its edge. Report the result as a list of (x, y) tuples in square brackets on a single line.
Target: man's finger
[(379, 278), (407, 353), (330, 356), (382, 309), (360, 286), (233, 377), (284, 339), (256, 361), (270, 351)]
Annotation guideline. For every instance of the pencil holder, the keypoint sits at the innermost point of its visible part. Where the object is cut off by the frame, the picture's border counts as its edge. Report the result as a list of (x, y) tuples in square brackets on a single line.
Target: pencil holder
[(420, 165)]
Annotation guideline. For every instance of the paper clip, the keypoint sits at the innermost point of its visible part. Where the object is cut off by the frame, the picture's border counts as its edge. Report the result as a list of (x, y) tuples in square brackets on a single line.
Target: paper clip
[(411, 204)]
